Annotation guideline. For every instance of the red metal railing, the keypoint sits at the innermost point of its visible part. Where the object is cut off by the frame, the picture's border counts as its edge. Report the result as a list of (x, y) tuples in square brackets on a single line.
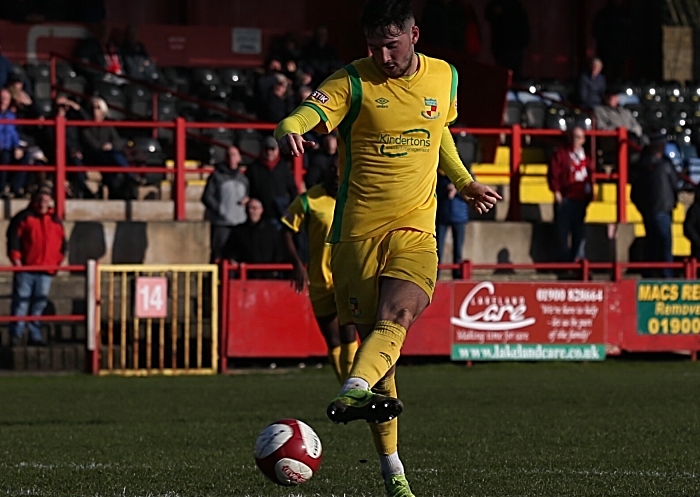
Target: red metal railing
[(178, 172)]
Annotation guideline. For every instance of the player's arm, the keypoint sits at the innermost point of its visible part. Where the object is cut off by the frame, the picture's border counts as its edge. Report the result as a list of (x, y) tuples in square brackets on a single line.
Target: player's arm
[(292, 222), (481, 197), (290, 130), (323, 110), (300, 276)]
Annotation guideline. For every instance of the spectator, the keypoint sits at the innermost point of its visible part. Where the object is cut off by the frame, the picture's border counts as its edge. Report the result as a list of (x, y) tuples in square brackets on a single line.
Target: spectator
[(570, 177), (21, 101), (321, 160), (510, 33), (591, 85), (225, 197), (321, 57), (655, 193), (277, 104), (272, 181), (451, 25), (5, 68), (10, 151), (137, 62), (611, 115), (691, 225), (452, 214), (72, 111), (35, 237), (257, 241), (303, 93), (288, 54), (104, 146), (101, 51)]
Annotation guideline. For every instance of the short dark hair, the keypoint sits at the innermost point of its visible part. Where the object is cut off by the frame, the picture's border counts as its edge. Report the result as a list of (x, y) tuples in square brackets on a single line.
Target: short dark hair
[(391, 17)]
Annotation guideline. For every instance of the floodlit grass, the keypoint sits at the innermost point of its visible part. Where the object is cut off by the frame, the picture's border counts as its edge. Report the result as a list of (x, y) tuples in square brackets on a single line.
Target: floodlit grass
[(619, 428)]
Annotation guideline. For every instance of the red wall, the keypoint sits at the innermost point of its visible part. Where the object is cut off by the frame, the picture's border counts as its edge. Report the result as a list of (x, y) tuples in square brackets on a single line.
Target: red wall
[(560, 28)]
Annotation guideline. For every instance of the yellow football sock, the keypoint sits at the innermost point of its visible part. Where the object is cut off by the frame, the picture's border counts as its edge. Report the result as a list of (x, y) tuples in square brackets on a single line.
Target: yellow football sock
[(386, 435), (378, 352), (334, 359), (347, 356)]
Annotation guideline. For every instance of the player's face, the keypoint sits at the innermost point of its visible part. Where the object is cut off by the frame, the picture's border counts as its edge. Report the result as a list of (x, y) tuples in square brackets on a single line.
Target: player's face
[(393, 51)]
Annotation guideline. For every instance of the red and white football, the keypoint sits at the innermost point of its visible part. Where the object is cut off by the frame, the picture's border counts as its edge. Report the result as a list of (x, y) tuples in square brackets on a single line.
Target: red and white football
[(288, 452)]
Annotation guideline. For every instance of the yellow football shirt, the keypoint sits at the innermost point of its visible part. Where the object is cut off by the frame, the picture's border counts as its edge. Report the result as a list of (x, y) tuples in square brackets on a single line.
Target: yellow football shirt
[(389, 141), (315, 208)]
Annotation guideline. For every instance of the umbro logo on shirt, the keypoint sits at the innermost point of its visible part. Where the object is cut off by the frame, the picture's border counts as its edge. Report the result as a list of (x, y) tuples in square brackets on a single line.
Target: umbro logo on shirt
[(382, 103)]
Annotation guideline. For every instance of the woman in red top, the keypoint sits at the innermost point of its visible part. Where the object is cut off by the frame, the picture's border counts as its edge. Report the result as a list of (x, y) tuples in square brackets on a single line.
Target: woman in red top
[(570, 177)]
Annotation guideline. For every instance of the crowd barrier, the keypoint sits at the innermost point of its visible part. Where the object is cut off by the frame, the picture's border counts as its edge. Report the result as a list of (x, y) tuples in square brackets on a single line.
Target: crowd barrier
[(486, 316), (200, 319), (177, 174)]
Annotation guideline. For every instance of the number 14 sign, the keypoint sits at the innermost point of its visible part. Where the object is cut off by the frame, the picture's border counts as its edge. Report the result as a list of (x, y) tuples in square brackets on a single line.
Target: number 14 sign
[(151, 297)]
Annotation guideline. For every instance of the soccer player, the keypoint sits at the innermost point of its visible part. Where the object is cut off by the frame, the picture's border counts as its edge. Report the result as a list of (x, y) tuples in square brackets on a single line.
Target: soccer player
[(314, 209), (392, 111)]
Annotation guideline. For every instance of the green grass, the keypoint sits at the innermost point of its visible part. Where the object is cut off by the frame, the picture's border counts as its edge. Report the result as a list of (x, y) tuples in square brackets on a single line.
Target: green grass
[(619, 428)]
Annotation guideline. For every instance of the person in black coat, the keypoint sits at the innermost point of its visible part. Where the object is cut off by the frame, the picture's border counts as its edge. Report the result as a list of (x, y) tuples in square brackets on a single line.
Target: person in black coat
[(655, 194), (257, 241), (691, 225), (272, 181)]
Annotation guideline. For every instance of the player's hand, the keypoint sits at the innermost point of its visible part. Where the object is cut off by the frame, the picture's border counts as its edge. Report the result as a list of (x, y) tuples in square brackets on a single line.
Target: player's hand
[(481, 197), (558, 197), (300, 278), (293, 143)]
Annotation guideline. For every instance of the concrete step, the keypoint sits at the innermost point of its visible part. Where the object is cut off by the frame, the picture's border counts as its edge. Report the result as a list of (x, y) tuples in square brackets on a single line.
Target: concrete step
[(50, 358)]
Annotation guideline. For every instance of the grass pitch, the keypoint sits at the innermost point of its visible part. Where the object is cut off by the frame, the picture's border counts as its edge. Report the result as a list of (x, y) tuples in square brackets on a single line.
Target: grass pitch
[(618, 428)]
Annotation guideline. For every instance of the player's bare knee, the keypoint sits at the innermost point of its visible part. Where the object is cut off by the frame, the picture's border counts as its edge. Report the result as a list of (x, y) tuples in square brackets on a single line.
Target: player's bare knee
[(402, 315)]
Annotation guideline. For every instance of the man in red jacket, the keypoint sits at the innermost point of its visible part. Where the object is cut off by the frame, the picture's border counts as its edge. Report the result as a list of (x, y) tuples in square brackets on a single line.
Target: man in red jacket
[(570, 178), (35, 238)]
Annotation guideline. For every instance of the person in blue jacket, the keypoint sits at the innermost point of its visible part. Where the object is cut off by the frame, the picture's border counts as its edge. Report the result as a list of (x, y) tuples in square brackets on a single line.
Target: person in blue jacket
[(452, 214)]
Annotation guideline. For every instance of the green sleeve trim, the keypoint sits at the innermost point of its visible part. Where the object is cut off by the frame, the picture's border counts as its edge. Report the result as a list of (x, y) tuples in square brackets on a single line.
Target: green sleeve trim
[(317, 109), (345, 130), (304, 197), (453, 88)]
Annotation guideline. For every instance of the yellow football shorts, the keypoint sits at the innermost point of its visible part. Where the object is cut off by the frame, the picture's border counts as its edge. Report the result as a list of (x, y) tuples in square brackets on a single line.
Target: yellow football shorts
[(403, 254), (322, 301)]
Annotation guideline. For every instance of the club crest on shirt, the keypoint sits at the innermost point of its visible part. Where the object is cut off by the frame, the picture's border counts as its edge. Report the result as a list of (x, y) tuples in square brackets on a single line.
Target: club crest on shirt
[(320, 96), (431, 112)]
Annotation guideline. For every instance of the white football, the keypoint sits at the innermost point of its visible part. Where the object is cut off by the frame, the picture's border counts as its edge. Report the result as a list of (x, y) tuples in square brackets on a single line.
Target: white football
[(288, 452)]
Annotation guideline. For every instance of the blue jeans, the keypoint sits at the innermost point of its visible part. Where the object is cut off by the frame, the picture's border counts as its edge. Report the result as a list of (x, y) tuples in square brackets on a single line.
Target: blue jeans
[(570, 218), (657, 244), (30, 292), (458, 233), (19, 178)]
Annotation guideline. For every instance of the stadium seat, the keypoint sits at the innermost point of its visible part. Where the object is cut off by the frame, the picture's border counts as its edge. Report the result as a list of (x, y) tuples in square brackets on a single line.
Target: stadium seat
[(43, 107), (556, 119), (203, 77), (75, 84), (64, 70), (468, 147), (151, 150), (139, 100), (248, 142), (513, 113), (535, 114), (42, 89), (38, 72), (582, 120)]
